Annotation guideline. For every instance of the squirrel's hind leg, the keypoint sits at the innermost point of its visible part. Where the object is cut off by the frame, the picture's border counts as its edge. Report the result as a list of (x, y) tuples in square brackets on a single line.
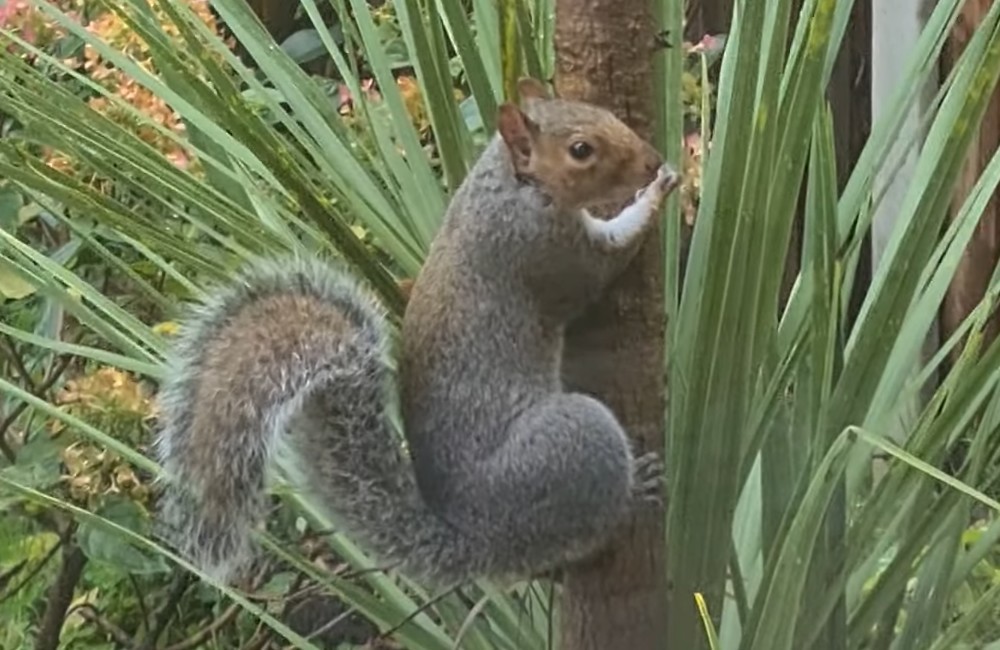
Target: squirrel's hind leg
[(555, 491)]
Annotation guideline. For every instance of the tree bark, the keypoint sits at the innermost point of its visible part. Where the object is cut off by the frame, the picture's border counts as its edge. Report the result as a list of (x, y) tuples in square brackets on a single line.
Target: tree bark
[(60, 597), (850, 95), (619, 599), (976, 267)]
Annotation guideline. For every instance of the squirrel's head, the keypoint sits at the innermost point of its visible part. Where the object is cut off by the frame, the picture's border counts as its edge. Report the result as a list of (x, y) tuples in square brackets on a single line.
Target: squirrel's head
[(581, 154)]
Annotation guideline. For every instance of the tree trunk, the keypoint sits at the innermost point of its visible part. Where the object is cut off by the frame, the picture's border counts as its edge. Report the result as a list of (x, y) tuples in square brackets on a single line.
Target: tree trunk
[(850, 94), (618, 600), (60, 596), (976, 267)]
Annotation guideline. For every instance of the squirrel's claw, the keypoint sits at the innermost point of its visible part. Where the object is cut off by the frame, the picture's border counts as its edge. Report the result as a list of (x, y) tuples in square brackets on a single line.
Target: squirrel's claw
[(665, 182), (649, 479), (666, 179)]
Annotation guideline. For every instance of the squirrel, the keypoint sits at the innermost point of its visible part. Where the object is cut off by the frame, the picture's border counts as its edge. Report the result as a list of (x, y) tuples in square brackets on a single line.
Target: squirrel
[(507, 476)]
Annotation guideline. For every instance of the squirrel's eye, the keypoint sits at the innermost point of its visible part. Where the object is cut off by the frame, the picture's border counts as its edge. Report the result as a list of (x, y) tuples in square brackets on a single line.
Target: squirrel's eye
[(581, 150)]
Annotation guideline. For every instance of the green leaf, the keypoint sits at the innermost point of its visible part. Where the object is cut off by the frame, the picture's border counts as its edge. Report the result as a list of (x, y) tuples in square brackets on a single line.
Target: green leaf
[(101, 545), (38, 463), (10, 206), (305, 45), (13, 286)]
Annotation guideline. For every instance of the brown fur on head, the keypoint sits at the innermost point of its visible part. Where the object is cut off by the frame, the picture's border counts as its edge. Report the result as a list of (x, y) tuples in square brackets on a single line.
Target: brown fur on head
[(581, 154)]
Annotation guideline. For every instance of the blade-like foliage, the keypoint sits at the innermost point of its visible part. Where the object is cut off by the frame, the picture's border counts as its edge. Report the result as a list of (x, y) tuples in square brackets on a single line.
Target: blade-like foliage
[(753, 381)]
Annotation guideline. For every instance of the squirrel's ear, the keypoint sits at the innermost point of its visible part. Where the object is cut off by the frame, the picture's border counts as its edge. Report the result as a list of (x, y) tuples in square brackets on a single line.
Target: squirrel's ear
[(518, 132), (531, 88)]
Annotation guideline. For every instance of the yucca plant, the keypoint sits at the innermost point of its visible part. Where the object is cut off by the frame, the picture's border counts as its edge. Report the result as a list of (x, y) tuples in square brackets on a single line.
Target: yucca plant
[(776, 410), (778, 528)]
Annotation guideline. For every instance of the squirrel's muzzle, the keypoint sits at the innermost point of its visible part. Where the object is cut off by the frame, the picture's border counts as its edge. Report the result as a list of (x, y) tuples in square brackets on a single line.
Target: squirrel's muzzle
[(652, 162)]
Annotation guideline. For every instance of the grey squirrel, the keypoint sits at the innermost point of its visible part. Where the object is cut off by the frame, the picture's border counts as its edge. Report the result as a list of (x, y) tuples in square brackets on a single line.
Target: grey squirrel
[(510, 476)]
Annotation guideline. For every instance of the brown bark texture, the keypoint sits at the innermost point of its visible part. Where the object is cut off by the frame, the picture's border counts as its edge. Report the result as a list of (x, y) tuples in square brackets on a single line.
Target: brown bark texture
[(976, 266), (851, 103), (604, 55), (60, 596)]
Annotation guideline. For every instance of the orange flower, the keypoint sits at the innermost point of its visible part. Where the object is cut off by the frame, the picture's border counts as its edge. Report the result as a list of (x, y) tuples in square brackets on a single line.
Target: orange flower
[(115, 32)]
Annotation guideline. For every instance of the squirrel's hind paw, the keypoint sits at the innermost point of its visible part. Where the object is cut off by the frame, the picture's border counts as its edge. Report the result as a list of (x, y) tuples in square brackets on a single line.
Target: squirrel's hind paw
[(649, 479)]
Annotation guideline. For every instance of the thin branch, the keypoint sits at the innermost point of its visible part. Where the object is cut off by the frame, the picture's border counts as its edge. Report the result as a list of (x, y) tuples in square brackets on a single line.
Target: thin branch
[(18, 359), (60, 597), (550, 622), (91, 614), (164, 613), (16, 412), (202, 635), (9, 574), (354, 574), (141, 599), (262, 635), (417, 612), (261, 638), (32, 573), (332, 622), (224, 619), (7, 451)]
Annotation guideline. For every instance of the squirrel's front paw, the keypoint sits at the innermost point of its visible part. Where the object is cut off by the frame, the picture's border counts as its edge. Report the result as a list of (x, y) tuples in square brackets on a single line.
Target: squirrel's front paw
[(661, 186), (666, 180), (649, 480)]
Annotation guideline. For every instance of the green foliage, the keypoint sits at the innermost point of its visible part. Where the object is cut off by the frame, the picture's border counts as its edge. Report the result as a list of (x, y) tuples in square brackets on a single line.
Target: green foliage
[(764, 395)]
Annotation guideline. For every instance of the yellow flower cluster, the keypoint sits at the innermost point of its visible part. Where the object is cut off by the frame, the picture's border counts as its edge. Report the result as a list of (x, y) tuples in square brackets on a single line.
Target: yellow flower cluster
[(115, 402)]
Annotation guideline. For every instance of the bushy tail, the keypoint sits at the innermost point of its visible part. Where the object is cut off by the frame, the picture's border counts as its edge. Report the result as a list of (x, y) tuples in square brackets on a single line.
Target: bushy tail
[(293, 352)]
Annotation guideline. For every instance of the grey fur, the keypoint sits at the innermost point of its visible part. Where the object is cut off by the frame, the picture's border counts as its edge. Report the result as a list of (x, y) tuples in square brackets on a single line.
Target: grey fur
[(326, 392), (510, 476)]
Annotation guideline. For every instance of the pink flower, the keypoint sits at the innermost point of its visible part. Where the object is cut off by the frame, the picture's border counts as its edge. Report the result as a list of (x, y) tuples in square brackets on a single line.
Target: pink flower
[(9, 9)]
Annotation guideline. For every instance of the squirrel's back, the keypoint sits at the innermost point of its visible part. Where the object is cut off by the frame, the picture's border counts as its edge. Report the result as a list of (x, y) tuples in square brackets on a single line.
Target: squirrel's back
[(476, 351), (483, 330)]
